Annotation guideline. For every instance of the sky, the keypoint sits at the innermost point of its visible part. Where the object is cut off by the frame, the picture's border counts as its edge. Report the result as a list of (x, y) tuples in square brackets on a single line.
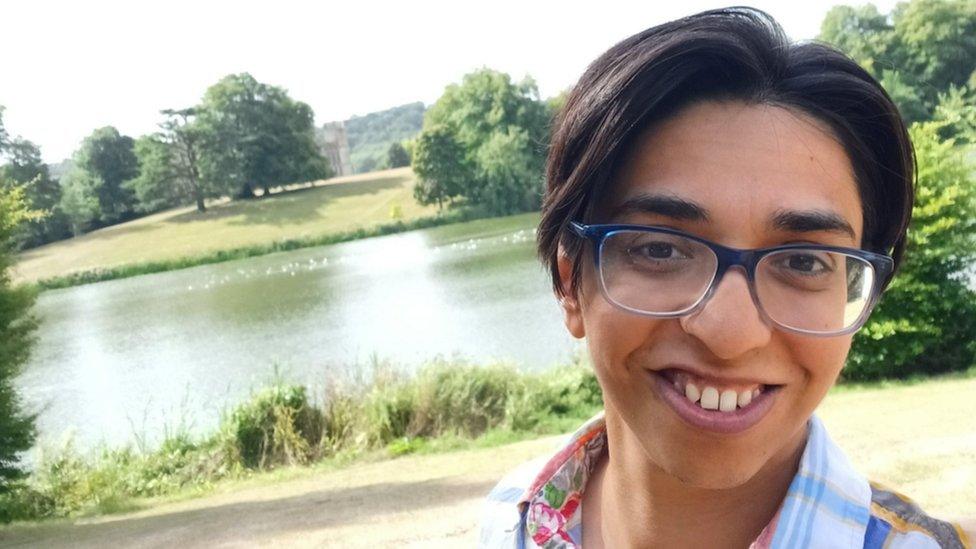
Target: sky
[(67, 68)]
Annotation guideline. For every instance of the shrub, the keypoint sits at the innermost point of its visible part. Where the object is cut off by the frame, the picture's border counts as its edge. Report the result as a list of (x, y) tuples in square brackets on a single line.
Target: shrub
[(462, 399), (926, 321), (277, 426)]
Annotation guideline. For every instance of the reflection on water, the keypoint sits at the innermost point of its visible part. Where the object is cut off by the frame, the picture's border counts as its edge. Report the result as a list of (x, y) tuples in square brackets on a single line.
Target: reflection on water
[(134, 356)]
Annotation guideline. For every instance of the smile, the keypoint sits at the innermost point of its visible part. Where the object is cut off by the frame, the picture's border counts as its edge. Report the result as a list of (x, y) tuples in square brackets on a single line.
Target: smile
[(714, 405)]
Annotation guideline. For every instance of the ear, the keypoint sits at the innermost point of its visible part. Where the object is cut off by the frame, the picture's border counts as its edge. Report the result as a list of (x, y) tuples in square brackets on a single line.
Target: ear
[(572, 312)]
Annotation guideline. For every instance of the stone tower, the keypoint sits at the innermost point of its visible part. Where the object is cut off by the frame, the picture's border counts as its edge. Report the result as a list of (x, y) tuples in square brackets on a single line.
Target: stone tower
[(335, 147)]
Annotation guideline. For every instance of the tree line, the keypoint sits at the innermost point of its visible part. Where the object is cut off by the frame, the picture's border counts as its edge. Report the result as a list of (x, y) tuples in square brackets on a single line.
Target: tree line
[(242, 139)]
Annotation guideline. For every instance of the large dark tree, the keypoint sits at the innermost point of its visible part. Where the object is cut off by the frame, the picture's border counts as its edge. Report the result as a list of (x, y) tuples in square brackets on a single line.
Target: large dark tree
[(107, 158), (16, 337), (397, 156), (253, 135), (169, 165)]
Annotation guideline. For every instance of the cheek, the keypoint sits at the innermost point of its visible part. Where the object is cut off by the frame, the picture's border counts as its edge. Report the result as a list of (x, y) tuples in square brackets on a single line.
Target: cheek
[(821, 359), (616, 341)]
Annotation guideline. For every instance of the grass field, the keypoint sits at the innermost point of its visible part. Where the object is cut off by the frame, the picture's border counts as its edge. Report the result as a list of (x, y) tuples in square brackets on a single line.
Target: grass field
[(335, 205), (917, 438)]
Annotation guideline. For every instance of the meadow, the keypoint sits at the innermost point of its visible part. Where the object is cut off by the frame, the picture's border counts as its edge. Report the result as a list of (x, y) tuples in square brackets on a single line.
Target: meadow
[(302, 215)]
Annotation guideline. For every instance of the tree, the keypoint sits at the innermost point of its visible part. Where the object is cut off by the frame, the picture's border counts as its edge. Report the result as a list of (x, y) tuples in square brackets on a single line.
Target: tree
[(16, 339), (158, 185), (169, 173), (918, 51), (396, 156), (441, 165), (252, 135), (926, 321), (3, 131), (79, 200), (509, 121), (25, 168), (957, 110), (510, 176), (108, 160)]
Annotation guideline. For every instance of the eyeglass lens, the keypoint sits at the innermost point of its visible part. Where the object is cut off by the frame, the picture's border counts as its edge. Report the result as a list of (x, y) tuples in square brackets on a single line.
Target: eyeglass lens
[(809, 290)]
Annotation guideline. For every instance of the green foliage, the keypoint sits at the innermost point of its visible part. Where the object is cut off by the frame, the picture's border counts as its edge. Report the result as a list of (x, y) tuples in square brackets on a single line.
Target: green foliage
[(25, 168), (79, 201), (918, 51), (926, 322), (278, 425), (105, 160), (254, 135), (17, 327), (169, 171), (371, 136), (509, 172), (957, 110), (158, 185), (396, 156), (442, 167), (443, 406), (501, 130), (4, 136)]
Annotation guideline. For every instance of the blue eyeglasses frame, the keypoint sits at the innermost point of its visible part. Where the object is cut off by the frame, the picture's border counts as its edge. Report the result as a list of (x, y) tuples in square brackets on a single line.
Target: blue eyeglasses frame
[(748, 259)]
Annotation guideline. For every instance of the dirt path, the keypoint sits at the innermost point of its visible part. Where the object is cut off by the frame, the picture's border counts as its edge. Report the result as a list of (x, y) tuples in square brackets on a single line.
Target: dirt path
[(434, 502)]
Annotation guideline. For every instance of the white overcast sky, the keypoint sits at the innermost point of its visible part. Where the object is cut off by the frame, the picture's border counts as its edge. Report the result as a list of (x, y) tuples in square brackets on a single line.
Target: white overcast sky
[(69, 67)]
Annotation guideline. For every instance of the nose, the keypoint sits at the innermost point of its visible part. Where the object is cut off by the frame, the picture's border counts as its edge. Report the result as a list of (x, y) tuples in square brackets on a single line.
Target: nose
[(729, 323)]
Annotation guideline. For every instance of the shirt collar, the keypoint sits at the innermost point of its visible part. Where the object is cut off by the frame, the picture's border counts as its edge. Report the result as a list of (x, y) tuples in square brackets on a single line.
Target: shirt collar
[(827, 497)]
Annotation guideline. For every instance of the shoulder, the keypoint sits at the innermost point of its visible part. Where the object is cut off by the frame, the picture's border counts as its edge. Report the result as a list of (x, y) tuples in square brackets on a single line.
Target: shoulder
[(501, 520), (897, 521)]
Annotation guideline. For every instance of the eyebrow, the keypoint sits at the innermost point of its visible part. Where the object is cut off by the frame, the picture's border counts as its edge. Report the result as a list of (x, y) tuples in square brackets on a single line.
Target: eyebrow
[(678, 208), (811, 221), (666, 205)]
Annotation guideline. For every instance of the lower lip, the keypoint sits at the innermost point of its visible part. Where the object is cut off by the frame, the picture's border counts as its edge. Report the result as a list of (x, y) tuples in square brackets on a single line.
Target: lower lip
[(714, 420)]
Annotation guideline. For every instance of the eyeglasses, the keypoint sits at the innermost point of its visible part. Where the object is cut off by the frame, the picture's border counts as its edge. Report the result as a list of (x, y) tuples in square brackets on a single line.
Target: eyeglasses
[(803, 288)]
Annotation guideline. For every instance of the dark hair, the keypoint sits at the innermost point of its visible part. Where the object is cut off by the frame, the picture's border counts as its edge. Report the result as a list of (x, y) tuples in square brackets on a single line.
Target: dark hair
[(734, 53)]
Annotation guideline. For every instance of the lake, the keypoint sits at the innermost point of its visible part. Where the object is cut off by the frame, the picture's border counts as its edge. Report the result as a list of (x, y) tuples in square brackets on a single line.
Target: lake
[(130, 359)]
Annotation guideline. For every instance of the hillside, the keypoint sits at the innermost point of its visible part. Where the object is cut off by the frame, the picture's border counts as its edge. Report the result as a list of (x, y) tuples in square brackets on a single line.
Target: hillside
[(334, 205), (370, 136)]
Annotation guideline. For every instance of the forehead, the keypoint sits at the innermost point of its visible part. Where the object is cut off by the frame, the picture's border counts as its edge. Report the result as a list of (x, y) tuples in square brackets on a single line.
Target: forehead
[(742, 163)]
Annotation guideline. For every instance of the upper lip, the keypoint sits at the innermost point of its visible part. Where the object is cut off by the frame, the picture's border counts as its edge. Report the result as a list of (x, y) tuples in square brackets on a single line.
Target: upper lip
[(707, 376)]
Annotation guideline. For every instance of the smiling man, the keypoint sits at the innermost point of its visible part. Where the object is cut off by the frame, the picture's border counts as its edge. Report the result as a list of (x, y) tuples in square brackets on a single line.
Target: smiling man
[(723, 210)]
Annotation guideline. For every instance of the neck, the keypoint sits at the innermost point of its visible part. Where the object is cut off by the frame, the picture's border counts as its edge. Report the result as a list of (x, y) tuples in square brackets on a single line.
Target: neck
[(674, 513)]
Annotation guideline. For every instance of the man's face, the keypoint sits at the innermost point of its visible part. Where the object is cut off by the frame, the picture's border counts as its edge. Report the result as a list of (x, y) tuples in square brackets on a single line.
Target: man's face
[(741, 165)]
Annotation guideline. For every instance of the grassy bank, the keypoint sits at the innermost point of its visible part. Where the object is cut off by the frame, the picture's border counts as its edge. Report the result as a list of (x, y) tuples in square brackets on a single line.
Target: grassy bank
[(330, 211), (906, 434), (444, 406)]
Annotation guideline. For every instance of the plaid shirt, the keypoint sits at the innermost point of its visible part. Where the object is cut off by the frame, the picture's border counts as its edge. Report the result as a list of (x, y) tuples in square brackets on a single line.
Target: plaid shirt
[(828, 504)]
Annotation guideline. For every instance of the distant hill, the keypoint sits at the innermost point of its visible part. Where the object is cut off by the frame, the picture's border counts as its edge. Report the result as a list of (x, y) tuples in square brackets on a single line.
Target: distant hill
[(370, 136)]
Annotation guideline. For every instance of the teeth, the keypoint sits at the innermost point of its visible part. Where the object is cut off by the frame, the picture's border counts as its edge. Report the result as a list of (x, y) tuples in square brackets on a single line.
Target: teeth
[(728, 401), (709, 398), (745, 397)]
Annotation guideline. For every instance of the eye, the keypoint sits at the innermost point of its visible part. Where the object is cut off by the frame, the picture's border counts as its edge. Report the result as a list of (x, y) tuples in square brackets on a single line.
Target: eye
[(657, 250), (806, 263)]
